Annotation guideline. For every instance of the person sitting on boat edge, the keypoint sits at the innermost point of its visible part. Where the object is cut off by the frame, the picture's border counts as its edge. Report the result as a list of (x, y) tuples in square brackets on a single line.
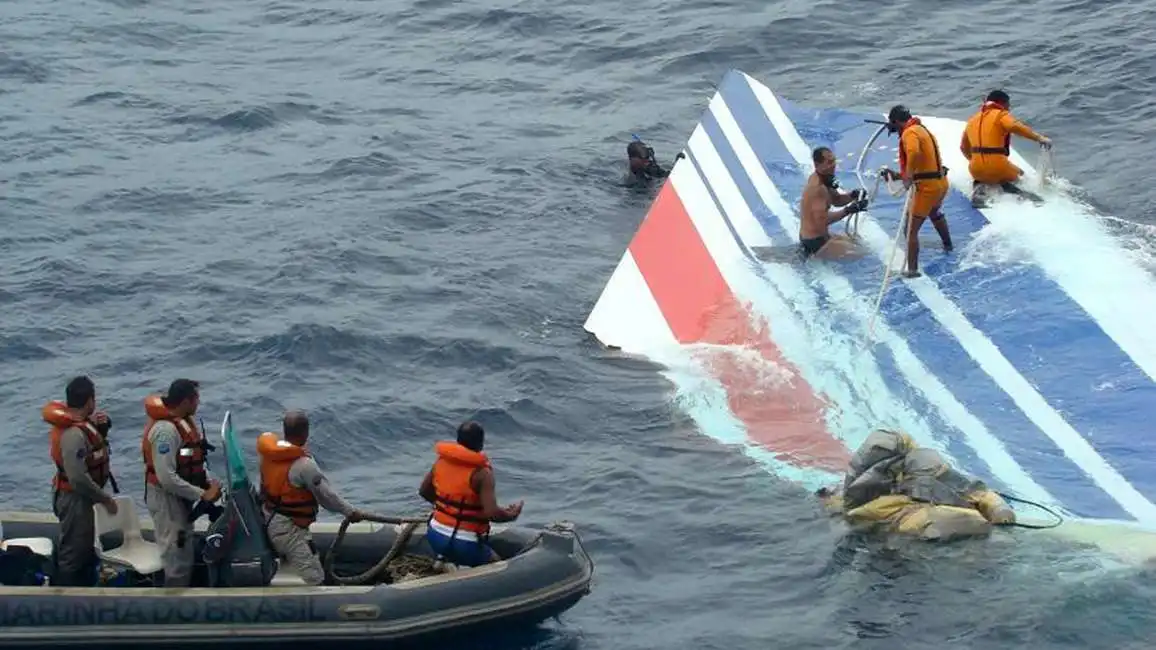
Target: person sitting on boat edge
[(78, 447), (896, 486), (986, 143), (293, 487), (642, 166), (819, 194), (173, 450), (460, 485)]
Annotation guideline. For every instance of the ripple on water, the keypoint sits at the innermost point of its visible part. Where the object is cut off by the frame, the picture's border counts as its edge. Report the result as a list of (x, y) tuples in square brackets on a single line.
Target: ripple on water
[(397, 216)]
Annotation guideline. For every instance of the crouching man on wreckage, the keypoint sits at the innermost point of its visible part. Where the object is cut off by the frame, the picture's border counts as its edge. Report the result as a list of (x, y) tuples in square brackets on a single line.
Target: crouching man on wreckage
[(893, 485)]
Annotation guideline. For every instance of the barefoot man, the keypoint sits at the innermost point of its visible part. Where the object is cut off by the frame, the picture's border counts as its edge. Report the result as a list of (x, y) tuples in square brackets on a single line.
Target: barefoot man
[(820, 193)]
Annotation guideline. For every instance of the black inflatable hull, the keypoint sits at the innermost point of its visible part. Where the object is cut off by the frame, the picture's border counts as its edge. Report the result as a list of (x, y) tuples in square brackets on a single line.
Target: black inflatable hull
[(543, 577)]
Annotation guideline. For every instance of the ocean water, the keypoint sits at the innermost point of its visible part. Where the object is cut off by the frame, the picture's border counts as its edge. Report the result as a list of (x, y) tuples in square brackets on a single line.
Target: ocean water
[(396, 215)]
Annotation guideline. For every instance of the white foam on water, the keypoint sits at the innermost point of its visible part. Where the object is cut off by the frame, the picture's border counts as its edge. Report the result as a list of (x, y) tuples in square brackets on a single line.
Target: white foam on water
[(784, 298), (989, 448), (993, 247), (803, 329), (986, 354), (1072, 245), (701, 396)]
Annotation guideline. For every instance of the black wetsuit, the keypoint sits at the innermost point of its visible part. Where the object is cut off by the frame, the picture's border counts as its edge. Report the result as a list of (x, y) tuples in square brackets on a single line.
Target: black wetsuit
[(650, 171)]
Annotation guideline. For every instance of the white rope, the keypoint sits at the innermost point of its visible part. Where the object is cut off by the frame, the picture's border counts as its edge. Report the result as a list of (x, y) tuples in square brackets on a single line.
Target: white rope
[(895, 189), (903, 224)]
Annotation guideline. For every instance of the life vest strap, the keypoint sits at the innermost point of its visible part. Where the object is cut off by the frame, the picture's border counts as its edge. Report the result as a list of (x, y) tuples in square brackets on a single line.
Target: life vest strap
[(462, 516), (278, 502), (304, 509), (461, 505), (940, 172), (996, 150), (62, 478), (98, 469)]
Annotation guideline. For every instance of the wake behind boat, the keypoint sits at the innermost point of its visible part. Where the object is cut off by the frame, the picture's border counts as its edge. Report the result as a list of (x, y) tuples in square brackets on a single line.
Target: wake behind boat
[(390, 587)]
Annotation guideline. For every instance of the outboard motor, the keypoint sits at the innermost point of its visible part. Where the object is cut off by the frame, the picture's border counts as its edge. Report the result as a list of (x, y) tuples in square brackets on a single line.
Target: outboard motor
[(237, 550)]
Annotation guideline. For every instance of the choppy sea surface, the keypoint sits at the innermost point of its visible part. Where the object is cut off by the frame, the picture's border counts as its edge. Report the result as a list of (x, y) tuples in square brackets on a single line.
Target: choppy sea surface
[(396, 215)]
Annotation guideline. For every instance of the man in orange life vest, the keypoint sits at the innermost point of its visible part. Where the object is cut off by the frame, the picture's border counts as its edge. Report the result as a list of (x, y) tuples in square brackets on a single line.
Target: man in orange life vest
[(920, 165), (79, 449), (460, 485), (292, 488), (986, 143), (173, 450)]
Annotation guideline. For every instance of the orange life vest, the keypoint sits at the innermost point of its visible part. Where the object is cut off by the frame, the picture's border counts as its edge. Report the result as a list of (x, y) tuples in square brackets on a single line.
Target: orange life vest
[(61, 418), (925, 171), (986, 133), (190, 455), (281, 496), (455, 499)]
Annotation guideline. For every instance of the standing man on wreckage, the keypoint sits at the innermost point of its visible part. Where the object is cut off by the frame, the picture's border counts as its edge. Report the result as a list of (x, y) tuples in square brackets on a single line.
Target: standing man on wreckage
[(922, 171), (173, 450)]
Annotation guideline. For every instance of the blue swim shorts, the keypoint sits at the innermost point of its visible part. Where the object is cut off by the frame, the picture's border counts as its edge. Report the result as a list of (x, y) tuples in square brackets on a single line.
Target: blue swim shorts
[(466, 552)]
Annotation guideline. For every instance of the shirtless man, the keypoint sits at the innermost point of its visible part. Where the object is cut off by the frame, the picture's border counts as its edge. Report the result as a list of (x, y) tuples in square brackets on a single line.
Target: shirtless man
[(820, 193)]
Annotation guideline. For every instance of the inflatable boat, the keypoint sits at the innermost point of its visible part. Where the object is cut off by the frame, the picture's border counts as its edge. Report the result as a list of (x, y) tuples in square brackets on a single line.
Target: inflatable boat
[(384, 584)]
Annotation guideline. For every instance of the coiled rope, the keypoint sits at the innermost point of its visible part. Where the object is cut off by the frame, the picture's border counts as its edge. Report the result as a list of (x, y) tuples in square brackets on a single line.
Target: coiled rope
[(371, 575)]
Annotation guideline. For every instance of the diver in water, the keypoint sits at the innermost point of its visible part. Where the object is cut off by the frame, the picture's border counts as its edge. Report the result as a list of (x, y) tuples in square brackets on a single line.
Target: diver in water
[(819, 194), (986, 143), (643, 166)]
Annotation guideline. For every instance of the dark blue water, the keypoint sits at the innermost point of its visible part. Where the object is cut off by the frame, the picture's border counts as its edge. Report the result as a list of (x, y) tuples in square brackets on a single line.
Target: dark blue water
[(397, 215)]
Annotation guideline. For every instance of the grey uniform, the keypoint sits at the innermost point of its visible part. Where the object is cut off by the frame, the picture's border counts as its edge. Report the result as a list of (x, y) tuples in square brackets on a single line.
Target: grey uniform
[(76, 557), (294, 542), (169, 505)]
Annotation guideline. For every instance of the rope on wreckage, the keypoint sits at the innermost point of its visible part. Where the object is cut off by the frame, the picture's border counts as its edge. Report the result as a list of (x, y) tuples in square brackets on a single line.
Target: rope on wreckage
[(1020, 524)]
